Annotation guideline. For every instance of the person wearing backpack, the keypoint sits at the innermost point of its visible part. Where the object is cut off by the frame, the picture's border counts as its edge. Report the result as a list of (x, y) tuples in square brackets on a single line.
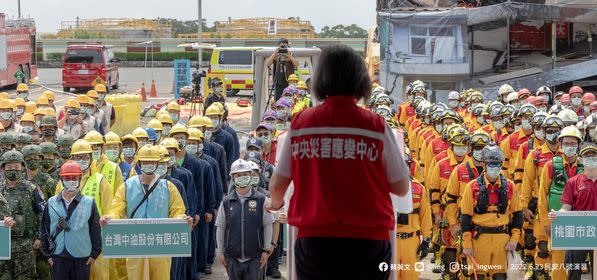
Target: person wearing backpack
[(553, 178)]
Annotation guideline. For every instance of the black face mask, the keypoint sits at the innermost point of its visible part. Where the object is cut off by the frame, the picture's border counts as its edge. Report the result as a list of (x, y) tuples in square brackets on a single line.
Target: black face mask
[(48, 132)]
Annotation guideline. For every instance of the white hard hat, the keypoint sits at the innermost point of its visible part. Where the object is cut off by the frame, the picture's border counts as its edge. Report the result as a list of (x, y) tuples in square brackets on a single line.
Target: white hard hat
[(568, 116), (513, 96), (453, 95), (543, 89), (505, 89), (240, 165), (253, 165)]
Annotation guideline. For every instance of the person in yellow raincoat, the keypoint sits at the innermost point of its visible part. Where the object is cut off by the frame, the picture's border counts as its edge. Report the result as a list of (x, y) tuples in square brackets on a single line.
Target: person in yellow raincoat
[(133, 190)]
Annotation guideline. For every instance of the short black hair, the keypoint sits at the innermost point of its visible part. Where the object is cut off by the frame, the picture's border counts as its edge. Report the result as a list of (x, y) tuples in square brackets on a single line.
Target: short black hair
[(341, 71), (283, 41)]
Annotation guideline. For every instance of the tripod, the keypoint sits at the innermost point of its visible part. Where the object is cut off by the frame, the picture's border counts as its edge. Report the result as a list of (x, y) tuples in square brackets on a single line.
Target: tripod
[(196, 101), (280, 66)]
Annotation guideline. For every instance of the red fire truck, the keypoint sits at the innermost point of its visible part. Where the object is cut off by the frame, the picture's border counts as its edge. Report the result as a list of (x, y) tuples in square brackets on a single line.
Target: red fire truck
[(17, 51)]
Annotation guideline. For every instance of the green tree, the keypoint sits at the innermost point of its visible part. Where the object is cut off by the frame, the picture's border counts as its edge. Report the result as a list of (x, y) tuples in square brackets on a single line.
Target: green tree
[(189, 26), (343, 31)]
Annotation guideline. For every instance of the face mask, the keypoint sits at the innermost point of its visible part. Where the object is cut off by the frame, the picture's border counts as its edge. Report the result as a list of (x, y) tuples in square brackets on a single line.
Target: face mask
[(517, 127), (453, 104), (590, 162), (20, 111), (558, 102), (481, 120), (254, 180), (493, 172), (191, 149), (478, 155), (200, 147), (410, 97), (27, 129), (526, 125), (166, 130), (282, 114), (148, 169), (182, 143), (216, 122), (72, 117), (498, 125), (32, 164), (158, 135), (546, 98), (207, 135), (22, 94), (270, 122), (576, 101), (539, 134), (70, 186), (84, 164), (84, 110), (174, 117), (6, 116), (112, 155), (569, 151), (101, 96), (586, 109), (128, 152), (439, 128), (266, 139), (281, 126), (48, 132), (64, 153), (161, 170), (460, 150), (13, 175), (47, 163), (552, 138), (96, 155), (171, 161), (242, 181), (217, 89)]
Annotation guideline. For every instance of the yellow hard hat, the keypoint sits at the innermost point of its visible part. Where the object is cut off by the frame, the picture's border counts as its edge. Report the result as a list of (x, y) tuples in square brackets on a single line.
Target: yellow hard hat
[(40, 111), (173, 106), (84, 99), (50, 95), (140, 133), (7, 104), (72, 103), (164, 118), (170, 143), (164, 154), (22, 87), (94, 138), (220, 105), (148, 153), (50, 111), (112, 138), (19, 102), (179, 128), (30, 107), (459, 136), (42, 101), (208, 122), (4, 95), (301, 85), (571, 131), (292, 78), (93, 94), (480, 138), (81, 147), (130, 137), (155, 124), (27, 118), (213, 110), (196, 134), (101, 88)]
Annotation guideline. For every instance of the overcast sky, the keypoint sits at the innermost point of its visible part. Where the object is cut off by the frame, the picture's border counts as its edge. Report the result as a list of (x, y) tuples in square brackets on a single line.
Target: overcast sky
[(49, 13)]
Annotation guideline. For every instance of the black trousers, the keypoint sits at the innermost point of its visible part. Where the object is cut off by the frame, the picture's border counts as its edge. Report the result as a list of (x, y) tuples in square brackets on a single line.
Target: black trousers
[(70, 268), (342, 258), (575, 260), (273, 260)]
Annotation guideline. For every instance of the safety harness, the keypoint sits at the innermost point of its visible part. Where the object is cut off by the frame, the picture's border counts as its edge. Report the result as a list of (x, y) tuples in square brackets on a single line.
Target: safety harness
[(483, 200), (559, 179)]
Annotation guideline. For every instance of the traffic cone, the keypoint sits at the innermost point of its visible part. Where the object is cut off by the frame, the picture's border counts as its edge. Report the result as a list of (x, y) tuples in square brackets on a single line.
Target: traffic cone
[(143, 96), (152, 91)]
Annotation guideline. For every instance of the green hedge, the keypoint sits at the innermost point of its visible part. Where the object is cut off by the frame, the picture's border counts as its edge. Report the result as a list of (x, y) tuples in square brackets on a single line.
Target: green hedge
[(138, 56)]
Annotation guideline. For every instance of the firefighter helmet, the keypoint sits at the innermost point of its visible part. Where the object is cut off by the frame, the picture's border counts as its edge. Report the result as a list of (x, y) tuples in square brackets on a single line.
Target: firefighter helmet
[(492, 154)]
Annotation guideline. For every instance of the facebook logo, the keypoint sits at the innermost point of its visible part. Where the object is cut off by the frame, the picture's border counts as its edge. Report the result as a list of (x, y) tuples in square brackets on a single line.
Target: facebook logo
[(383, 266)]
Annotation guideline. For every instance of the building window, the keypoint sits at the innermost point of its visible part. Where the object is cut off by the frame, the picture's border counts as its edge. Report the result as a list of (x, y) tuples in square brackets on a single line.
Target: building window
[(437, 42)]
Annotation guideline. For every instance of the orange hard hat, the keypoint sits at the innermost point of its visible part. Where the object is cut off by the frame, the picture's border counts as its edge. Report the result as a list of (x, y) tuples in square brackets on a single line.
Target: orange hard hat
[(588, 97), (575, 89), (70, 168)]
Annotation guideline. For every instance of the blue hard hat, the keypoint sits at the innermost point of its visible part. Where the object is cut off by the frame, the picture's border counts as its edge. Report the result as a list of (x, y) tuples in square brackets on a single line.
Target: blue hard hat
[(151, 133)]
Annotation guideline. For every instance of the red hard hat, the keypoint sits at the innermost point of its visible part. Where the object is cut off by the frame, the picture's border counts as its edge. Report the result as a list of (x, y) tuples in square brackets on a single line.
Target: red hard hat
[(588, 97), (536, 101), (575, 89), (565, 98), (70, 168), (593, 106), (523, 92)]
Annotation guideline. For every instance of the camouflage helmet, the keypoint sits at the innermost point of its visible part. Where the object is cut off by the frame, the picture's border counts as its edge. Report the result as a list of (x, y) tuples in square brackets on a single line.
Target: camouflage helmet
[(7, 138), (48, 120), (31, 150), (48, 148), (12, 156), (65, 140), (23, 138)]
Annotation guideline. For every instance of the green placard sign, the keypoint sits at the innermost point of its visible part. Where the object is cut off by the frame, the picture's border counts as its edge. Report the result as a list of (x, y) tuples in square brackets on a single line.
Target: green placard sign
[(4, 241), (141, 238), (574, 230), (19, 75)]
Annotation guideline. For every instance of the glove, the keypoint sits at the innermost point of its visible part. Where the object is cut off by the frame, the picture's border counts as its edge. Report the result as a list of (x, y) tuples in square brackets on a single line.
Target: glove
[(423, 250)]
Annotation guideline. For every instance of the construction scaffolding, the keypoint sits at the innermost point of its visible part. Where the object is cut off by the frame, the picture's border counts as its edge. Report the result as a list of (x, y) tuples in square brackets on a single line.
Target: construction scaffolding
[(259, 28), (116, 28)]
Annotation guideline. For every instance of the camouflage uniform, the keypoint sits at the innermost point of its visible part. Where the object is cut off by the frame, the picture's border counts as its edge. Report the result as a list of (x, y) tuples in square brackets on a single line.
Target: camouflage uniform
[(50, 148), (26, 212), (64, 142), (23, 139), (4, 209)]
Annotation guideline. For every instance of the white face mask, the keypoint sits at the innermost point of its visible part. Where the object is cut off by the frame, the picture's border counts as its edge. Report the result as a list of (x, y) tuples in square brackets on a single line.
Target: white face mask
[(22, 94), (101, 96), (207, 135), (266, 139), (586, 109), (552, 138), (21, 111), (200, 147), (112, 155), (216, 122), (182, 143), (96, 155), (493, 172), (576, 101), (254, 180), (84, 164), (590, 162), (242, 181), (172, 161), (161, 170), (128, 152), (569, 151), (539, 134), (453, 104), (174, 117), (70, 185), (191, 149), (280, 126), (6, 116), (478, 155), (460, 150), (498, 125), (282, 114), (149, 169), (439, 128), (27, 129), (481, 120), (517, 127), (166, 130), (526, 124)]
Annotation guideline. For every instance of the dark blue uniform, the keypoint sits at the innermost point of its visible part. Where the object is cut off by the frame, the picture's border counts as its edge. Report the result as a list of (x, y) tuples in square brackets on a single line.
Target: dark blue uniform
[(210, 186), (224, 138), (178, 267), (211, 243), (217, 152), (236, 144)]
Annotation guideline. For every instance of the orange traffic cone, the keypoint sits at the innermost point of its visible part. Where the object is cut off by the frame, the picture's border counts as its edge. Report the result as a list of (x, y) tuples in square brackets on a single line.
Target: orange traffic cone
[(152, 91), (143, 96)]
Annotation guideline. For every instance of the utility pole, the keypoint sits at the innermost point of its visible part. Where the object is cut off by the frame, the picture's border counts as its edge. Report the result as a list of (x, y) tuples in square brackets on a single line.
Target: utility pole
[(19, 3), (199, 34)]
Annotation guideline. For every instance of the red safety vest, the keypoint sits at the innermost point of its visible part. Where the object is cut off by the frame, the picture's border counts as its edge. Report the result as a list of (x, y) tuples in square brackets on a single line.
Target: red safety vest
[(340, 187)]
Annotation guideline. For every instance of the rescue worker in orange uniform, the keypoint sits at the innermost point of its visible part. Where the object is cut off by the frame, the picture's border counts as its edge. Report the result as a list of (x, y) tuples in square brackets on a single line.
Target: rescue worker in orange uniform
[(406, 109), (533, 166), (465, 172), (446, 118), (477, 120), (536, 140), (459, 140), (413, 231), (419, 125), (498, 121), (491, 217), (513, 142), (410, 121), (425, 155), (553, 178), (486, 125), (511, 120)]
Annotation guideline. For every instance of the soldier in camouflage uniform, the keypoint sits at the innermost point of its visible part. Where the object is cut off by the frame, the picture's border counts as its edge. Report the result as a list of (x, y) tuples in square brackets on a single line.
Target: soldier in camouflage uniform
[(64, 142), (23, 139), (46, 187), (49, 129), (50, 162), (5, 213), (26, 211), (7, 141)]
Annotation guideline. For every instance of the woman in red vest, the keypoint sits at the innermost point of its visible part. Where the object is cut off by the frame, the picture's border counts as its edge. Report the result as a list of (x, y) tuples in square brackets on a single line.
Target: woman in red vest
[(344, 163)]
